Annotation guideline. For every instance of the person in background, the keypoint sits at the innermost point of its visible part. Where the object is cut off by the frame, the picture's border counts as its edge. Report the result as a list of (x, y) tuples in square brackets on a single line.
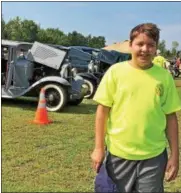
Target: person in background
[(135, 117), (178, 62), (159, 60)]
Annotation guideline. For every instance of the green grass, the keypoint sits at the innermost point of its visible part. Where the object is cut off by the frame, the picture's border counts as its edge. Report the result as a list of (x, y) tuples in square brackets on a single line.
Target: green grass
[(52, 158), (179, 91)]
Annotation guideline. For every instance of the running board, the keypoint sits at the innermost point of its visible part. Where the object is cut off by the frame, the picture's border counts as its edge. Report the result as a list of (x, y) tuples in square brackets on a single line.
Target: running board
[(12, 92)]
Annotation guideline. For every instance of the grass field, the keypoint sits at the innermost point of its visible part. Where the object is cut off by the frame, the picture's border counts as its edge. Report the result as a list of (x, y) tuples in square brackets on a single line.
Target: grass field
[(52, 158)]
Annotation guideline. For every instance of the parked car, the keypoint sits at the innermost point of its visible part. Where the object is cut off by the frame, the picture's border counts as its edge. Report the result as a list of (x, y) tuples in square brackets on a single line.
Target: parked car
[(91, 63), (78, 58), (26, 68), (90, 50), (97, 67)]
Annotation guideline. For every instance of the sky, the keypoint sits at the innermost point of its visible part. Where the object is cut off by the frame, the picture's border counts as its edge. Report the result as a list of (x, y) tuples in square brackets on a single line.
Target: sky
[(113, 20)]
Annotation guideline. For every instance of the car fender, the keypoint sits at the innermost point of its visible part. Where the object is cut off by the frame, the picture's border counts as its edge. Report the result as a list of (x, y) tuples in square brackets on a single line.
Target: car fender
[(89, 76), (51, 79), (48, 79)]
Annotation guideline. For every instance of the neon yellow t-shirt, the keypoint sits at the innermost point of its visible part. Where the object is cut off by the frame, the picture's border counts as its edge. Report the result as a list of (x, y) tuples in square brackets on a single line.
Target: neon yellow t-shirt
[(139, 100), (159, 60)]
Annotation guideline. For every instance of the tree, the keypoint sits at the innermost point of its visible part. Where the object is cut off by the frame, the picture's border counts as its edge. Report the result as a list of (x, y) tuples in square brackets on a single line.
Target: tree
[(13, 29), (41, 35), (64, 41), (162, 47), (77, 39), (175, 45), (29, 30), (97, 42), (50, 35), (54, 35), (3, 30), (19, 30), (168, 54), (88, 39)]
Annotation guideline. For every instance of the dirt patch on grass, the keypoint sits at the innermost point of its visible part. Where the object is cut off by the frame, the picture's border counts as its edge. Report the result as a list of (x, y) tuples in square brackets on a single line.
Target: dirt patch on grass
[(178, 83)]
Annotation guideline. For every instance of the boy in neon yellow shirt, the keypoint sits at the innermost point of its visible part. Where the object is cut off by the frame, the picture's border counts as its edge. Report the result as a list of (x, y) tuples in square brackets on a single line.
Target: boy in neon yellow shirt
[(159, 60), (135, 117)]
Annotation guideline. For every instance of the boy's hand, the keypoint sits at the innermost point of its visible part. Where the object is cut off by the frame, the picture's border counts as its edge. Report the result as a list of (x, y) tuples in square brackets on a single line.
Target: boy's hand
[(97, 157), (172, 168)]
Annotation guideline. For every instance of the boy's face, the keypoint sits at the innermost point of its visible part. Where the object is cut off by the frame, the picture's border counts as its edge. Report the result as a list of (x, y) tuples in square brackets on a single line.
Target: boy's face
[(143, 50)]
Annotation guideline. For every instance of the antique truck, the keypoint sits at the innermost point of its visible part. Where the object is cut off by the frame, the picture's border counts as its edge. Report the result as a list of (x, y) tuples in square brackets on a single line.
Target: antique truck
[(26, 68)]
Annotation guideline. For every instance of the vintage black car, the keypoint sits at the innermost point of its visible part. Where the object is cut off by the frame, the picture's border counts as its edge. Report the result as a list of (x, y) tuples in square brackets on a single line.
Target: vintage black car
[(97, 67), (26, 68)]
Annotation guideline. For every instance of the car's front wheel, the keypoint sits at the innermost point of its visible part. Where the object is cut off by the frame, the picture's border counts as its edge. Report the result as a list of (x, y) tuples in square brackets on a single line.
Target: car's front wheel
[(91, 88), (56, 97)]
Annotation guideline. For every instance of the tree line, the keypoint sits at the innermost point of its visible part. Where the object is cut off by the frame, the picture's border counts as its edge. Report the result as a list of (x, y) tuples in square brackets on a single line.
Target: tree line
[(28, 31)]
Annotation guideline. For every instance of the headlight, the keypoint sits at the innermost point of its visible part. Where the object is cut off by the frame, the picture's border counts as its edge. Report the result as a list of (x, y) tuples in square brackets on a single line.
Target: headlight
[(74, 71), (65, 71), (91, 66)]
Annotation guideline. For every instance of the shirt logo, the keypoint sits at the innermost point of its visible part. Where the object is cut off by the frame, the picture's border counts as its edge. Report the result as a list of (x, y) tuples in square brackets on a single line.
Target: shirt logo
[(159, 90)]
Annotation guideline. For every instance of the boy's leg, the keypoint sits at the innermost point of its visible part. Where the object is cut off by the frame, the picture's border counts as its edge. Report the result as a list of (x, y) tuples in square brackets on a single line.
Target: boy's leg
[(122, 172), (150, 174)]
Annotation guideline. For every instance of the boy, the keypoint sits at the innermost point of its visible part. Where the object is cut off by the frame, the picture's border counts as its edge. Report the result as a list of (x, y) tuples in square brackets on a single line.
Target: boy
[(136, 115)]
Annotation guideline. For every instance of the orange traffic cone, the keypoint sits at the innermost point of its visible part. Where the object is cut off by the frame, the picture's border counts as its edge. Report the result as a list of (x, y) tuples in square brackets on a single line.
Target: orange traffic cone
[(41, 116)]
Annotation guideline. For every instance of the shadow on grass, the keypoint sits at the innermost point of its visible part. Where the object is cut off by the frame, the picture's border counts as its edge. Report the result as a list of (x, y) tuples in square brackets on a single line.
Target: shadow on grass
[(31, 105), (20, 103), (82, 108)]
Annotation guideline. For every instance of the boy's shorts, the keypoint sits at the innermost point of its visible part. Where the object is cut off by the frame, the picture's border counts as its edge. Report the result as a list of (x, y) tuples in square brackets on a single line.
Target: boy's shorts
[(140, 176)]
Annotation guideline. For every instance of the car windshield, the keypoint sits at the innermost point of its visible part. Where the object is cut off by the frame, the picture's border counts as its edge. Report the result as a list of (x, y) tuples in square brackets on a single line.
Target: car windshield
[(22, 53)]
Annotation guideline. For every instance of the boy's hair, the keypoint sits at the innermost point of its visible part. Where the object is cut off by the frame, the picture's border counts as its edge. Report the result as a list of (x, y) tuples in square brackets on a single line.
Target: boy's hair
[(150, 29)]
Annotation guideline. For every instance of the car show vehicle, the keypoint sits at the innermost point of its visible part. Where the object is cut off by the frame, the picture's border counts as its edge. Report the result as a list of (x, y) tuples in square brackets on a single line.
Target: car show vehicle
[(27, 67), (98, 66), (78, 58)]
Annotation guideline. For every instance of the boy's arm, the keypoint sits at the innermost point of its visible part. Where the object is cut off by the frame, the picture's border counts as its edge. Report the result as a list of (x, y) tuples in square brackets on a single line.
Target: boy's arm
[(172, 136), (100, 130), (172, 133), (100, 126)]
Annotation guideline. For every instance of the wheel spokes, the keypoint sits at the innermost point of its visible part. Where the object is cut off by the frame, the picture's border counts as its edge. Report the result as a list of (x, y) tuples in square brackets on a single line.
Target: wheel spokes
[(52, 97)]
